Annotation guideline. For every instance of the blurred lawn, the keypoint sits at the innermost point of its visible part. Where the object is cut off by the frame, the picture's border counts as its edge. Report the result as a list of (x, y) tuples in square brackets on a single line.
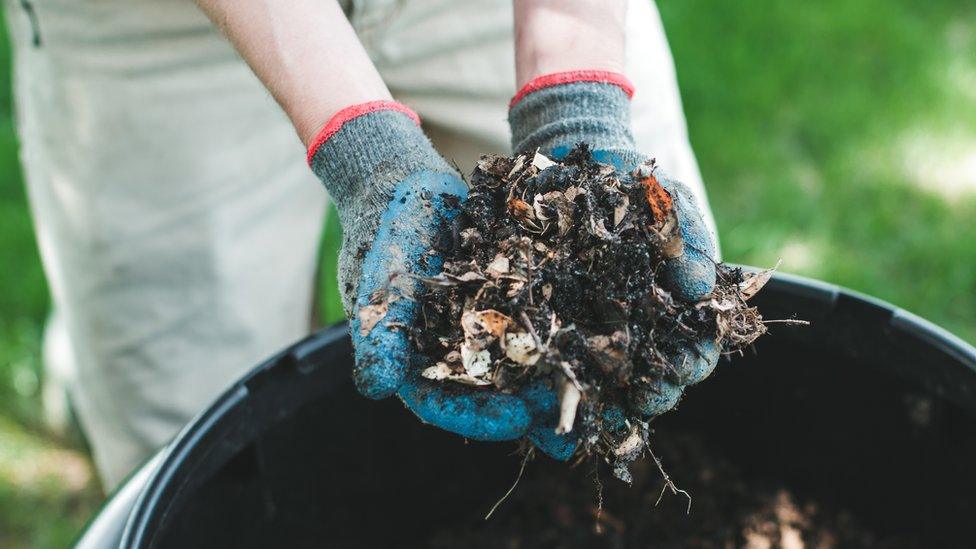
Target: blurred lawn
[(839, 136)]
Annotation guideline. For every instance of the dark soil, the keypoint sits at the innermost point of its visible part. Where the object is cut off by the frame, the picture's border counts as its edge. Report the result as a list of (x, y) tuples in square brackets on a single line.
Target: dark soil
[(558, 506)]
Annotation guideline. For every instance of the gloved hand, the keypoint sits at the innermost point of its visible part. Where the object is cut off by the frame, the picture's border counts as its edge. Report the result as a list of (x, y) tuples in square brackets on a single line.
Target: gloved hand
[(557, 111), (394, 195)]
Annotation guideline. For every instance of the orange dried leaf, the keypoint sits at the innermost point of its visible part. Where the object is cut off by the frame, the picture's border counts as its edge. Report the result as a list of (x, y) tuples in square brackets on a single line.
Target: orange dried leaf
[(477, 324), (658, 199), (520, 209), (665, 215)]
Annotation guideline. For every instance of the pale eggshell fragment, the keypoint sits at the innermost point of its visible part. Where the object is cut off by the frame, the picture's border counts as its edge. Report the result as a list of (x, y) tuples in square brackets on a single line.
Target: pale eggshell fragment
[(542, 161), (476, 362), (631, 444), (520, 347)]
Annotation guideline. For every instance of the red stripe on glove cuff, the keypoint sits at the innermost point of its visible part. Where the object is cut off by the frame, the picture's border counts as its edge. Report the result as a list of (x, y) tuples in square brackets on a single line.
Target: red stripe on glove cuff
[(349, 113), (571, 77)]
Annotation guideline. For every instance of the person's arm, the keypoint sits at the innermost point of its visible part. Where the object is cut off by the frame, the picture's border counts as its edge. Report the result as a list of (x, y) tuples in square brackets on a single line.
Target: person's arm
[(305, 52), (394, 195), (555, 36)]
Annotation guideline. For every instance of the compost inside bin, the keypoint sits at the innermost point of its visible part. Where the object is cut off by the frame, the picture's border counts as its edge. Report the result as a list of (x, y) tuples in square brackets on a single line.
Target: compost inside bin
[(721, 507)]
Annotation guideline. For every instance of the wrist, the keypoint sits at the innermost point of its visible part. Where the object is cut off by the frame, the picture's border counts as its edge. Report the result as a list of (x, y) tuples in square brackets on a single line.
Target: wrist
[(556, 36), (311, 113), (541, 64)]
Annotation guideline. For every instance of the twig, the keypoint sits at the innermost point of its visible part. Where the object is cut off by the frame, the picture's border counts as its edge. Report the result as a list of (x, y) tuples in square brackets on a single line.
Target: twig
[(525, 460), (788, 321), (668, 483), (599, 497), (535, 336), (570, 375)]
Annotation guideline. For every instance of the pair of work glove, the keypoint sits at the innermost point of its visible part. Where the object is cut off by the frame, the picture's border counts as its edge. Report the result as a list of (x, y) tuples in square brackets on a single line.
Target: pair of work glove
[(395, 195)]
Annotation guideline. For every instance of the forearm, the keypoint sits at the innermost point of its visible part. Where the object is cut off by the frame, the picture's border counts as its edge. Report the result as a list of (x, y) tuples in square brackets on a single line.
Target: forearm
[(306, 54), (557, 36)]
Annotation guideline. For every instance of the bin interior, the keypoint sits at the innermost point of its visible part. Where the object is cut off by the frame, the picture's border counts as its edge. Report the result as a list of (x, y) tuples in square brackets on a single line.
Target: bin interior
[(845, 411)]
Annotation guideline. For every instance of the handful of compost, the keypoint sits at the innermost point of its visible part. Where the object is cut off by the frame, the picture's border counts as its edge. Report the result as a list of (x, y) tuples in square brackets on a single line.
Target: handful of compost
[(551, 273)]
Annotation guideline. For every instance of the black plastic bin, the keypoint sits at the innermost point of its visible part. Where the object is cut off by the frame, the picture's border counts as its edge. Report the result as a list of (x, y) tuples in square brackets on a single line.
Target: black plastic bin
[(291, 456)]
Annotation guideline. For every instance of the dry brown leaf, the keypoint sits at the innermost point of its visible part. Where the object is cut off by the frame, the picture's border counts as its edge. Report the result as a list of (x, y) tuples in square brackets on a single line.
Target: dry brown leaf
[(517, 165), (498, 266), (471, 236), (478, 323), (539, 208), (515, 288), (525, 214), (599, 230), (446, 280), (370, 315), (442, 371), (610, 352), (470, 276), (496, 165), (438, 371), (572, 192), (620, 210), (755, 281)]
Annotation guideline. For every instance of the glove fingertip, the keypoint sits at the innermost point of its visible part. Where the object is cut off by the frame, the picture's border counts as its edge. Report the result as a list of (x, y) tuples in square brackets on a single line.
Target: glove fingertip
[(690, 277), (654, 399), (559, 152), (382, 354), (544, 404), (377, 377), (474, 415), (704, 362), (558, 447)]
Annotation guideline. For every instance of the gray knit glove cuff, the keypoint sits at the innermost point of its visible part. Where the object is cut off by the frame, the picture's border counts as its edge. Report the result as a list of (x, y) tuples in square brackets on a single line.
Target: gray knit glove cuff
[(360, 155), (567, 108)]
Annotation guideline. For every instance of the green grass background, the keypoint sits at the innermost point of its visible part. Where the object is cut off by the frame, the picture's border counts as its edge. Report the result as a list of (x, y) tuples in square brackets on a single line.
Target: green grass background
[(838, 135)]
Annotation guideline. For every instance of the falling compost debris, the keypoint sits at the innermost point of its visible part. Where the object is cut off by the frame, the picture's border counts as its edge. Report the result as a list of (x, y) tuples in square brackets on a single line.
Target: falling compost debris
[(552, 274)]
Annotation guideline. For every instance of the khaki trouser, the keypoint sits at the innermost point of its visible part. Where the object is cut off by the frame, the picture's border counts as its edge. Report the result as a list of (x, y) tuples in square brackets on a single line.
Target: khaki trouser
[(177, 220)]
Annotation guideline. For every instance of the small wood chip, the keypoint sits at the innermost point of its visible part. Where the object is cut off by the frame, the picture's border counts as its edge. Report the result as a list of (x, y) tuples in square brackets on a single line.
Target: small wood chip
[(569, 398)]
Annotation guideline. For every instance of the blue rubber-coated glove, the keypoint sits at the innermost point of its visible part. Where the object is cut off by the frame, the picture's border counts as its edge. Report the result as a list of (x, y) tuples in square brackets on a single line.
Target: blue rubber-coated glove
[(554, 113), (395, 195)]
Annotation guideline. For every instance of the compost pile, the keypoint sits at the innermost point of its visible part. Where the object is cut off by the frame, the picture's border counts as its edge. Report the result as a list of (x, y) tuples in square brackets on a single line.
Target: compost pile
[(552, 273)]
